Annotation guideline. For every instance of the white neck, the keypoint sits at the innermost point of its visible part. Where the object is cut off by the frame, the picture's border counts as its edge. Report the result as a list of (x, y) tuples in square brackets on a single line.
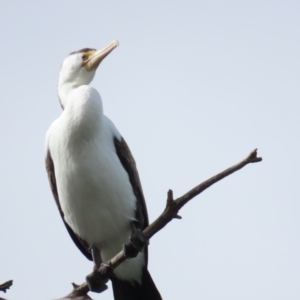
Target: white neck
[(83, 111), (69, 81), (64, 91)]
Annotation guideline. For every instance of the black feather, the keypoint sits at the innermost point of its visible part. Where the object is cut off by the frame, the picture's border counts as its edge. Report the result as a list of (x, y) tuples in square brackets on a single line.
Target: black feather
[(82, 50), (124, 290)]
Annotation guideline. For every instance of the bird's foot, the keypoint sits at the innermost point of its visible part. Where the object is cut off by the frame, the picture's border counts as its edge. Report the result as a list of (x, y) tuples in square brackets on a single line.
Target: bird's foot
[(98, 278), (137, 243)]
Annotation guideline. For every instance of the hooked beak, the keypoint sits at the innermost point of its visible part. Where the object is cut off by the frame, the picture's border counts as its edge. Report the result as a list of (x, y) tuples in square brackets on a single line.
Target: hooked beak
[(94, 61)]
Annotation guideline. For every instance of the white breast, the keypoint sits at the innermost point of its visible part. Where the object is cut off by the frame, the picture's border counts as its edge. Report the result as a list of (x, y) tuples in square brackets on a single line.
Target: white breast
[(94, 189)]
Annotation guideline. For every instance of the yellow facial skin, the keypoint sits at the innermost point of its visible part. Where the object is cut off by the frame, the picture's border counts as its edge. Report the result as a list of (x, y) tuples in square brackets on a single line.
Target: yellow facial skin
[(92, 59)]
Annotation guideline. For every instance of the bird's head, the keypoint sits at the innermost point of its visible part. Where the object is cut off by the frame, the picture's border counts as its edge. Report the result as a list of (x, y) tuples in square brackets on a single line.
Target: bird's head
[(79, 68)]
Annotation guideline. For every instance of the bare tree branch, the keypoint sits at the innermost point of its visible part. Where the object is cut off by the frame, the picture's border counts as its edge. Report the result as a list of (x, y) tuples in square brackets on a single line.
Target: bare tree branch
[(6, 285), (78, 293), (170, 213)]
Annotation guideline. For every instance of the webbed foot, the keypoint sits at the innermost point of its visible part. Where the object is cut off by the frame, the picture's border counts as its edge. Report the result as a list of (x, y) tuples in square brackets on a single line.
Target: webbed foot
[(137, 243), (98, 278)]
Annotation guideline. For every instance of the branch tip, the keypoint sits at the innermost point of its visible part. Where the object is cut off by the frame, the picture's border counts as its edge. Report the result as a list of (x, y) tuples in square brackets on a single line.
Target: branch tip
[(75, 286), (170, 198), (252, 157), (257, 159), (6, 285)]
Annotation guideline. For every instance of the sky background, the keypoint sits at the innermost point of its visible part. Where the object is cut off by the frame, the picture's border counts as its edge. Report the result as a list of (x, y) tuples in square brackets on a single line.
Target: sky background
[(193, 87)]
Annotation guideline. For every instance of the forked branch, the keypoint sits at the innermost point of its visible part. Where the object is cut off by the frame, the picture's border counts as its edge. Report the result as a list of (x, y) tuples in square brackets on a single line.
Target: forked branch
[(6, 285), (170, 213)]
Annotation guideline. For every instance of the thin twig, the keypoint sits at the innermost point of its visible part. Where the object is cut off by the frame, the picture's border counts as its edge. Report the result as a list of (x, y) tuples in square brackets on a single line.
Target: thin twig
[(170, 213), (6, 285)]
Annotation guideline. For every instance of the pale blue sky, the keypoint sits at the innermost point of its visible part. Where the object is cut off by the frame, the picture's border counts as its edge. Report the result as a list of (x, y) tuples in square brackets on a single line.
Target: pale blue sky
[(193, 88)]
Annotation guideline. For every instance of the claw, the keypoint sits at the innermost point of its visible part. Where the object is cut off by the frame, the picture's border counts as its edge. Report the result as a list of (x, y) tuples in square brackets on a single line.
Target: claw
[(139, 240), (137, 243), (101, 273), (96, 282)]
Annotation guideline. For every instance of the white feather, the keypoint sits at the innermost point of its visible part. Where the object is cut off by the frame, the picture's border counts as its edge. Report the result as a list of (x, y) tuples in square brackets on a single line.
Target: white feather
[(94, 189)]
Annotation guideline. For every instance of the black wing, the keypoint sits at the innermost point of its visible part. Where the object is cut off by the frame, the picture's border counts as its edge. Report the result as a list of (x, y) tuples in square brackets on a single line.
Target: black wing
[(129, 165), (81, 244)]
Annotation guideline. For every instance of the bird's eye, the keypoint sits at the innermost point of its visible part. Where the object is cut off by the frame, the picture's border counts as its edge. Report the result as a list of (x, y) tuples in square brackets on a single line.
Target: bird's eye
[(84, 57)]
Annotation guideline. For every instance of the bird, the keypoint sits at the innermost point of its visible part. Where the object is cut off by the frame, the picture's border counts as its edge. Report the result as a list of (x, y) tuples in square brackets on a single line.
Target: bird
[(94, 178)]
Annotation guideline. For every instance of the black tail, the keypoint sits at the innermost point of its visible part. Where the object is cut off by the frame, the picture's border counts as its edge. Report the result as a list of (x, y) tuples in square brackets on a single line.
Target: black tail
[(124, 290)]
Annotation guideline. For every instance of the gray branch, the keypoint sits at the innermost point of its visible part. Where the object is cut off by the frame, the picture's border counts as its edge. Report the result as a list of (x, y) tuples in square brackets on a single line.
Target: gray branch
[(80, 292)]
